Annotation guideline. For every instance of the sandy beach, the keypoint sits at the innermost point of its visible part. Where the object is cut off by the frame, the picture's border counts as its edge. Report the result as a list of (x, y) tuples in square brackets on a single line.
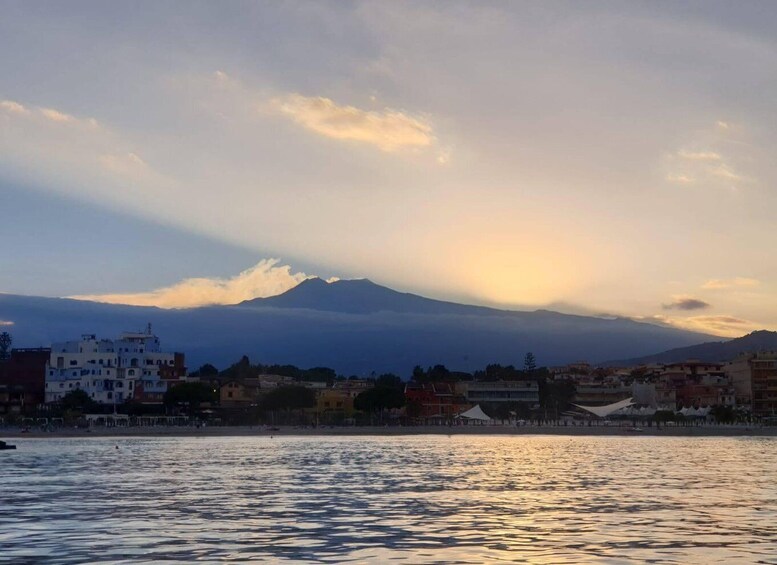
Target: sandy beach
[(216, 431)]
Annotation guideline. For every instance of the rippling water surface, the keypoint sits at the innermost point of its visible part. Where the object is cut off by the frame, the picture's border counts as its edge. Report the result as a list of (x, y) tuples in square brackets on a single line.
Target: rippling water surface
[(418, 499)]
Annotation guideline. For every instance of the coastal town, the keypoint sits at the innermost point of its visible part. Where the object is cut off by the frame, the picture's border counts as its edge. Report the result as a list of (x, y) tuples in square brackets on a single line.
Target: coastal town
[(131, 380)]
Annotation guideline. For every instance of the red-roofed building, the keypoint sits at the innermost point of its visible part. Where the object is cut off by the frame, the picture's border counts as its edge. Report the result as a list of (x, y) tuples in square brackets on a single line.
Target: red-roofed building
[(434, 401)]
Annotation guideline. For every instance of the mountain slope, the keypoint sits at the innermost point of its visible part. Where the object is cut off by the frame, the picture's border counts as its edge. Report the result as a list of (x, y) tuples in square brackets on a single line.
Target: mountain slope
[(713, 351), (354, 327)]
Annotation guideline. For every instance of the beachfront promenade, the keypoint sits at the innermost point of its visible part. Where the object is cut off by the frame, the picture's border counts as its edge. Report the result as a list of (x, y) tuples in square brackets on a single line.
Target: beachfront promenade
[(596, 428)]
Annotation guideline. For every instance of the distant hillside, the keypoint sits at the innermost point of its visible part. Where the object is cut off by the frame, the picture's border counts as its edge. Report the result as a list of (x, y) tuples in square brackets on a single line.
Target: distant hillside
[(713, 351), (354, 327)]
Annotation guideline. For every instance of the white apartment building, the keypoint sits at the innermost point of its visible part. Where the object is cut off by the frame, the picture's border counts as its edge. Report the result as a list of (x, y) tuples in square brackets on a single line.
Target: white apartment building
[(112, 371), (502, 391)]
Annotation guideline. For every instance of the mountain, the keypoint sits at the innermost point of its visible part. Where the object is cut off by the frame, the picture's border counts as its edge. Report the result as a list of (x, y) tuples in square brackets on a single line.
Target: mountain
[(354, 327), (712, 351), (361, 296)]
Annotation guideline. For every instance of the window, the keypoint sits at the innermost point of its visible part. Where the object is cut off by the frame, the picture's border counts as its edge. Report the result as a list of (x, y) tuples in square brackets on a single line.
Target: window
[(229, 394)]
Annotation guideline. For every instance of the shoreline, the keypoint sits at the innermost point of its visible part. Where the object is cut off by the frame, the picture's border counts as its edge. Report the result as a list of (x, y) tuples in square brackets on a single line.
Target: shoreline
[(291, 431)]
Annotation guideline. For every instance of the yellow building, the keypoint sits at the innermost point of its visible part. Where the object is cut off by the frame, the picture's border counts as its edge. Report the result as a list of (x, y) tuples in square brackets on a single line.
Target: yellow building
[(335, 400), (338, 400)]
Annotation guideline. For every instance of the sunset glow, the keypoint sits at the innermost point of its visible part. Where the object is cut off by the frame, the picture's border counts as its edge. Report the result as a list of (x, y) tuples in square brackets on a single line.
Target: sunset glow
[(397, 153)]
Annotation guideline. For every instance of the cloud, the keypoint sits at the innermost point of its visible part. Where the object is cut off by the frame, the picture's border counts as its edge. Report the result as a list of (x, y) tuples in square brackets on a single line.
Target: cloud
[(388, 130), (6, 323), (13, 107), (738, 282), (266, 278), (56, 116), (686, 303), (724, 325)]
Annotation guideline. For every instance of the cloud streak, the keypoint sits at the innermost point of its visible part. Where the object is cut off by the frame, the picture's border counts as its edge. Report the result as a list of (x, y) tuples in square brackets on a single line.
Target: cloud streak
[(699, 156), (705, 164), (14, 108), (737, 282), (723, 325), (74, 154), (266, 278), (56, 116), (388, 130)]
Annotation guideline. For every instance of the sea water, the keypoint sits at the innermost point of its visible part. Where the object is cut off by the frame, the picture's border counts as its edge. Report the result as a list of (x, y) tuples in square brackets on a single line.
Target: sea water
[(413, 499)]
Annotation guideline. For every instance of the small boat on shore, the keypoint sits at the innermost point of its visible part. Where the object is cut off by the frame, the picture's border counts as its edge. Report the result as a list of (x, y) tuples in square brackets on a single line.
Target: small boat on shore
[(4, 445)]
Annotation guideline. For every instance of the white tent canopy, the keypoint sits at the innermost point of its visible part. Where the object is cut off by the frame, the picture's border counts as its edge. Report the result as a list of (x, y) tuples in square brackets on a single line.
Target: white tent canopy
[(699, 412), (644, 412), (604, 411), (474, 413)]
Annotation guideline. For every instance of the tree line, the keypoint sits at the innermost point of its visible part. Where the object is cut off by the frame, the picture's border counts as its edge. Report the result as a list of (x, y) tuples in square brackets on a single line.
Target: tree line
[(385, 393)]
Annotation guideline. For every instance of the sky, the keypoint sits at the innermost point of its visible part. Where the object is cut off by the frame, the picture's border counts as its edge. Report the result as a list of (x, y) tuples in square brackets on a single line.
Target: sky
[(605, 158)]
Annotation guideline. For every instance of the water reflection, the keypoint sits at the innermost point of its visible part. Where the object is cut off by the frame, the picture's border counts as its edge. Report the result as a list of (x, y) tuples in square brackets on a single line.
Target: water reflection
[(419, 499)]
